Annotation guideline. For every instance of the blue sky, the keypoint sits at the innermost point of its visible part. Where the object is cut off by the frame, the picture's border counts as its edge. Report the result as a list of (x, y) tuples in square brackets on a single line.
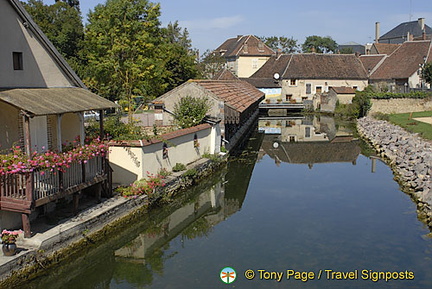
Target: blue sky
[(210, 23)]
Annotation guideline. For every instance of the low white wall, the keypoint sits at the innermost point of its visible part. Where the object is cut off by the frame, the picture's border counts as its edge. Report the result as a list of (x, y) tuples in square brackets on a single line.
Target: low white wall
[(133, 160)]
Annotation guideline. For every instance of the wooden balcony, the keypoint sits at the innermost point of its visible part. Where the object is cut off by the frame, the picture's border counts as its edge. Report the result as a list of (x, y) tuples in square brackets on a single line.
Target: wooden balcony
[(23, 192)]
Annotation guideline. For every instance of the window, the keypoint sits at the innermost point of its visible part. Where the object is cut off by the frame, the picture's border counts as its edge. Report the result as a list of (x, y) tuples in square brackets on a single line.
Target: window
[(17, 60), (308, 88), (355, 87), (254, 63), (307, 132), (318, 89), (293, 82)]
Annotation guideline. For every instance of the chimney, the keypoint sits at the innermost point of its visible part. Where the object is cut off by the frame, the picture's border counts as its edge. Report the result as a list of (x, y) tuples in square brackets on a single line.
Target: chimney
[(377, 31), (421, 22)]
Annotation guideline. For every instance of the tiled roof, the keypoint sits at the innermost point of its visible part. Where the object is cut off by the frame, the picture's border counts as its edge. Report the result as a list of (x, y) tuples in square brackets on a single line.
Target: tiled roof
[(405, 61), (313, 66), (343, 89), (401, 31), (164, 137), (247, 45), (385, 48), (235, 93), (263, 82), (224, 74), (370, 62)]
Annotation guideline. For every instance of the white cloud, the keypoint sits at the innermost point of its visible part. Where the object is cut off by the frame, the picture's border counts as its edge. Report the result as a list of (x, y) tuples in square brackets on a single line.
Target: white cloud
[(214, 23)]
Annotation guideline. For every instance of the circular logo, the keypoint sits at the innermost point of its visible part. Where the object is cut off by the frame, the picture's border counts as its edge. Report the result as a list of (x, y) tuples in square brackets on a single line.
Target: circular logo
[(228, 275)]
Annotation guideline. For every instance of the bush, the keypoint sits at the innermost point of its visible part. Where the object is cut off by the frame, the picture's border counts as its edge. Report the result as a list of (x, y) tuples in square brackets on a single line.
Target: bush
[(190, 111), (179, 167), (190, 173), (116, 129)]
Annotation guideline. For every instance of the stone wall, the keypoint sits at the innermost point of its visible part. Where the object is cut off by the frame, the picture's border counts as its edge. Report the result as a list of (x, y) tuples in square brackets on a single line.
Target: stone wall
[(400, 105), (409, 156)]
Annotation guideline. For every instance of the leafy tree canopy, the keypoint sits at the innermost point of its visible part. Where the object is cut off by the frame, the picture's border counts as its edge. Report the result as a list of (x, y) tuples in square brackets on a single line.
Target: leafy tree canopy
[(427, 73), (282, 43), (319, 44), (61, 24), (128, 54), (190, 111), (210, 64)]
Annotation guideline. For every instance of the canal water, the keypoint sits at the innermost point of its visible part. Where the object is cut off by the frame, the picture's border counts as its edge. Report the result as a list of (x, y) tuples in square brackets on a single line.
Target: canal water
[(304, 205)]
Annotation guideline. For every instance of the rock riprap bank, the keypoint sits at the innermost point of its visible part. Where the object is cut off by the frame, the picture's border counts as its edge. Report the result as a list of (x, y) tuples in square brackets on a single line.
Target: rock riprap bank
[(410, 157)]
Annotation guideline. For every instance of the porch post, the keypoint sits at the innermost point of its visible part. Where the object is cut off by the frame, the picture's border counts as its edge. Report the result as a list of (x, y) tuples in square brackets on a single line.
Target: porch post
[(59, 134), (82, 129), (101, 127), (25, 219), (26, 126)]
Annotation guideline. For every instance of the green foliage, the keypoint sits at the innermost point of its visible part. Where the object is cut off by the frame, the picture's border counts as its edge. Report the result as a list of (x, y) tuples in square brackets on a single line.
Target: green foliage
[(427, 73), (389, 95), (62, 25), (190, 173), (190, 111), (319, 44), (128, 54), (362, 104), (164, 172), (116, 129), (381, 116), (285, 44), (179, 167), (210, 64)]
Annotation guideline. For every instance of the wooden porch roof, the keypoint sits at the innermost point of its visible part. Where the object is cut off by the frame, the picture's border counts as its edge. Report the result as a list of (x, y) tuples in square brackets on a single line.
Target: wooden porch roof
[(47, 101)]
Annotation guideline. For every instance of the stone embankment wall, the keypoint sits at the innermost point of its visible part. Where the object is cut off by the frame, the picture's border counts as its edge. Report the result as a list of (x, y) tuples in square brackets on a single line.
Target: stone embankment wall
[(409, 156), (400, 105)]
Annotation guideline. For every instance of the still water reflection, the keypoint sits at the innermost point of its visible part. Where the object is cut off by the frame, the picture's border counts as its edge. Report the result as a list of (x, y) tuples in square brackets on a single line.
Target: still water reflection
[(302, 196)]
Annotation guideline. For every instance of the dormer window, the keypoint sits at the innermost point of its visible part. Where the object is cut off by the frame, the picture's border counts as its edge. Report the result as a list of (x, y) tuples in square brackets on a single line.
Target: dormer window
[(17, 58)]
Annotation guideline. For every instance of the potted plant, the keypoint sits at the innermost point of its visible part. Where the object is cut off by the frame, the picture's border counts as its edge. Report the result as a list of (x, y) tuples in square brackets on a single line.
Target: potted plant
[(8, 240)]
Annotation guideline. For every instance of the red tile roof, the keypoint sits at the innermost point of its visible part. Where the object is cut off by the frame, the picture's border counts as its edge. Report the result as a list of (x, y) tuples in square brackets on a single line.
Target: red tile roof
[(343, 89), (405, 61), (385, 48), (235, 93), (313, 66), (162, 138), (370, 62)]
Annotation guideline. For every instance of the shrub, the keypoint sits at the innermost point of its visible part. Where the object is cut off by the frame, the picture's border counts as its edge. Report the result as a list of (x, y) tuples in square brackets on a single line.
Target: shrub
[(179, 167), (190, 111), (190, 173)]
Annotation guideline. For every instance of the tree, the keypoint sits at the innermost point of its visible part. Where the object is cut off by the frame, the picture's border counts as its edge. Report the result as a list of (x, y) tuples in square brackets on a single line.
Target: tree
[(61, 24), (190, 111), (319, 44), (346, 50), (282, 43), (427, 73), (211, 63), (179, 57), (122, 53), (72, 3)]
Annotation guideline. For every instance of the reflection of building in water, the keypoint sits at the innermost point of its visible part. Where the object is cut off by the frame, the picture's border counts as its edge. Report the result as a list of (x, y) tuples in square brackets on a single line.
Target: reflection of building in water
[(207, 208), (308, 141)]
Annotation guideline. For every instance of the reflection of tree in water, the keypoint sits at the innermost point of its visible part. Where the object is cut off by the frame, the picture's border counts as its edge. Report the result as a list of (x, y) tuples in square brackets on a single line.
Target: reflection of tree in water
[(199, 228)]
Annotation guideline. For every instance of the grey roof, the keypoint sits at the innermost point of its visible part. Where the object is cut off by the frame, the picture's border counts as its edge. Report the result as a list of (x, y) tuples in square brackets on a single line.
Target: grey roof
[(402, 29), (46, 101)]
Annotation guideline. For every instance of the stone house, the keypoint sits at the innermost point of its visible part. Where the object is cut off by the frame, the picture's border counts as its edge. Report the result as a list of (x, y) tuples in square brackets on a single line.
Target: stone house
[(234, 102), (401, 70), (302, 76), (244, 54), (42, 102)]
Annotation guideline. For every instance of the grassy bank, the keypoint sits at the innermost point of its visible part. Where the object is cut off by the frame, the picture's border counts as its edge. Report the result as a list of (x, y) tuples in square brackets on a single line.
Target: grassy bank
[(407, 121)]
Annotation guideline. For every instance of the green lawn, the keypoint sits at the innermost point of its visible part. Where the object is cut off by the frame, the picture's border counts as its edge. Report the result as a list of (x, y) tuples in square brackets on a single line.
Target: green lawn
[(403, 120)]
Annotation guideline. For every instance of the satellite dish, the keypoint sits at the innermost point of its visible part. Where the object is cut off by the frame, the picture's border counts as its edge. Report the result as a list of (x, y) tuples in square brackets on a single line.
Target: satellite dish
[(276, 76)]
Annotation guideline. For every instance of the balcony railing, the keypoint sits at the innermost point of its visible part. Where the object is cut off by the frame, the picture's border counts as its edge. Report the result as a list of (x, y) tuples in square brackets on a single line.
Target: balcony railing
[(22, 192)]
